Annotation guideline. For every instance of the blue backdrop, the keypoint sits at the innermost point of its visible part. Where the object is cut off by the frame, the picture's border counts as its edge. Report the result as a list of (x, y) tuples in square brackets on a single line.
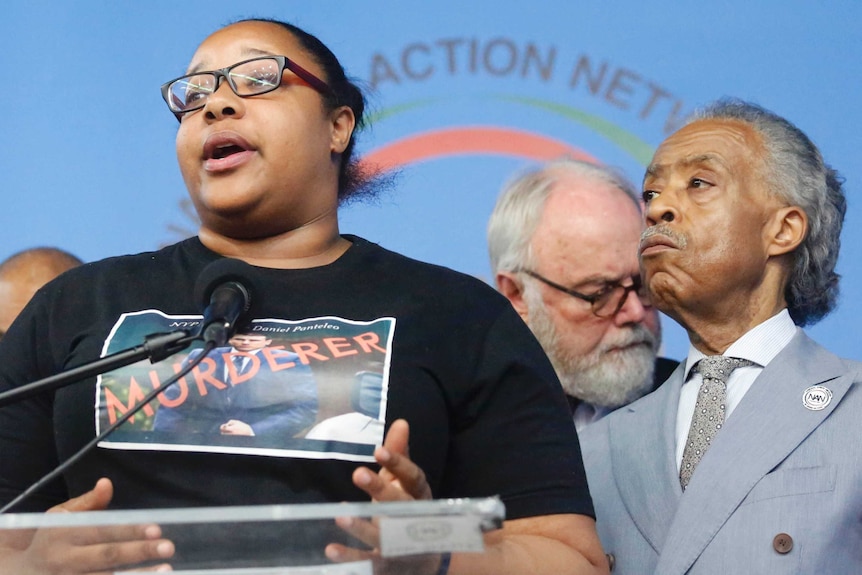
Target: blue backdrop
[(88, 158)]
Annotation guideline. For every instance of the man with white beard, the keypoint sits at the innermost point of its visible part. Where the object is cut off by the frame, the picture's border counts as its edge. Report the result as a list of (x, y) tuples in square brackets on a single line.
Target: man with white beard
[(563, 243)]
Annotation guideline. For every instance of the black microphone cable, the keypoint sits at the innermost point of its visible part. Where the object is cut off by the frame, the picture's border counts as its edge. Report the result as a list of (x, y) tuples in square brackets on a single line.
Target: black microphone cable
[(60, 469)]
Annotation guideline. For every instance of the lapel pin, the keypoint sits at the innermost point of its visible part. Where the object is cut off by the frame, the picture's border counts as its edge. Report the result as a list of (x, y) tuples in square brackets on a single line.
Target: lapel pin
[(816, 397)]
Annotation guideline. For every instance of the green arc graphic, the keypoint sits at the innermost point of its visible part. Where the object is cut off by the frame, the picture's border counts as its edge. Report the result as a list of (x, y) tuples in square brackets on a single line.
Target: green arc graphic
[(632, 145)]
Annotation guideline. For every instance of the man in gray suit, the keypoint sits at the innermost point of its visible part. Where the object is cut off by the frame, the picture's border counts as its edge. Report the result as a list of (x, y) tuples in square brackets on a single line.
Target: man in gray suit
[(760, 472)]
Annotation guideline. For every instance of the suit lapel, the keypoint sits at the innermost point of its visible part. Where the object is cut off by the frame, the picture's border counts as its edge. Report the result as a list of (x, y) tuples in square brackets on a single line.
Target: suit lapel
[(767, 425), (648, 485)]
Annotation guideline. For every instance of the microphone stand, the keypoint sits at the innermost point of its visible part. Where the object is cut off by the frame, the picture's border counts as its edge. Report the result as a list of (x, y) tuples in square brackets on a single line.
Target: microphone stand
[(156, 347), (59, 470)]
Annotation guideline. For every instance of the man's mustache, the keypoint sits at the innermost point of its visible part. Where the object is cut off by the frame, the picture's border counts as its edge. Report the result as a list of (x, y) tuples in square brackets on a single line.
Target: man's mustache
[(638, 334), (677, 239)]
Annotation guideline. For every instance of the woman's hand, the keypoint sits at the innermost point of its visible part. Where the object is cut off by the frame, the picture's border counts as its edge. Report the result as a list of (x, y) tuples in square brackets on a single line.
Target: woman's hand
[(399, 479), (95, 550)]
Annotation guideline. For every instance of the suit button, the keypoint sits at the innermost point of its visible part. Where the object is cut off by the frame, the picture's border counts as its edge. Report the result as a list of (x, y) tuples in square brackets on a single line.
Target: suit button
[(611, 560), (782, 543)]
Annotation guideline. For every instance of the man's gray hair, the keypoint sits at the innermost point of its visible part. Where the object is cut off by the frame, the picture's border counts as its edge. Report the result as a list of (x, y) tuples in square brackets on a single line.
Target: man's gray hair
[(799, 176), (522, 200)]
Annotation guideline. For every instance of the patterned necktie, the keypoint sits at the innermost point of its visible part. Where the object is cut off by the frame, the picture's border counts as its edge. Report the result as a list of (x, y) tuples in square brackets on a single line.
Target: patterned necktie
[(709, 410), (238, 361)]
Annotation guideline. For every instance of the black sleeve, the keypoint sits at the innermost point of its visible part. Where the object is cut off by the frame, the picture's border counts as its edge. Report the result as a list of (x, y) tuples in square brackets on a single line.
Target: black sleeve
[(27, 448), (514, 436)]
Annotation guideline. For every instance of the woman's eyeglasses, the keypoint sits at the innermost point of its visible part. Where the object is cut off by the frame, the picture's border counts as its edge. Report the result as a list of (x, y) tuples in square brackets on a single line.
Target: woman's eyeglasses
[(247, 78)]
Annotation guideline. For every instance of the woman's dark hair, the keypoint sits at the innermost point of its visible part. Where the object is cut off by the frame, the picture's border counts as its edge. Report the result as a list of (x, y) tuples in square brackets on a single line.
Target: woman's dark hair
[(354, 182)]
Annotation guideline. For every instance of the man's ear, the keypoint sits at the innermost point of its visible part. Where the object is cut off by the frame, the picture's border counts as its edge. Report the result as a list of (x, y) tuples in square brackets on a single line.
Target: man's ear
[(511, 286), (343, 122), (787, 230)]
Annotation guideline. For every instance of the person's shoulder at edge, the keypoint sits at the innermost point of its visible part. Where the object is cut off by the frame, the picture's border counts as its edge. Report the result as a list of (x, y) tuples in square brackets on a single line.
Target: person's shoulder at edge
[(664, 368), (652, 400)]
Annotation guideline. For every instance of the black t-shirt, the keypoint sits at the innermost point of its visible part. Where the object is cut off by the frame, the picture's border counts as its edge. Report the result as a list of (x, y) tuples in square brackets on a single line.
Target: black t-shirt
[(446, 352)]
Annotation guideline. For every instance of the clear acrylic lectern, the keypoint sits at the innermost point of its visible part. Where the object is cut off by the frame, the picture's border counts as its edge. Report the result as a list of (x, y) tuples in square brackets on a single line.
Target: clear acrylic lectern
[(288, 539)]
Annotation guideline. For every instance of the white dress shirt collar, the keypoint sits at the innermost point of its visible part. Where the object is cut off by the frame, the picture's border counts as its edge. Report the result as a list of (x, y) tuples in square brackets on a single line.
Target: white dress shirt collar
[(760, 344)]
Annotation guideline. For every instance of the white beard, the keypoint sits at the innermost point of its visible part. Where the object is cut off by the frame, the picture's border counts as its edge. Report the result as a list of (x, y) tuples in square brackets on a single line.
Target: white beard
[(607, 377)]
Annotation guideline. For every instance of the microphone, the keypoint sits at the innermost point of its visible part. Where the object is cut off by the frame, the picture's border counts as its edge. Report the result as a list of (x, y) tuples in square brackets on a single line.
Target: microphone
[(225, 289), (223, 286)]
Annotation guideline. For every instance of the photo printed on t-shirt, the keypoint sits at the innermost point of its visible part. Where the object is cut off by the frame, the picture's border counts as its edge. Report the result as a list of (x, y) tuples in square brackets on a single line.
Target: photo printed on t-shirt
[(314, 388)]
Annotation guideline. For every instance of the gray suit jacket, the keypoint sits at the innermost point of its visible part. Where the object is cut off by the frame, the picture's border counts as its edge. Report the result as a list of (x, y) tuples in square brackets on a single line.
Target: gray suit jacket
[(776, 469)]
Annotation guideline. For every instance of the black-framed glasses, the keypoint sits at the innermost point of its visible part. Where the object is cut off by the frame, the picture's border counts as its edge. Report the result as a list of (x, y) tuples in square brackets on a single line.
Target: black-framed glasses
[(247, 78), (606, 302)]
